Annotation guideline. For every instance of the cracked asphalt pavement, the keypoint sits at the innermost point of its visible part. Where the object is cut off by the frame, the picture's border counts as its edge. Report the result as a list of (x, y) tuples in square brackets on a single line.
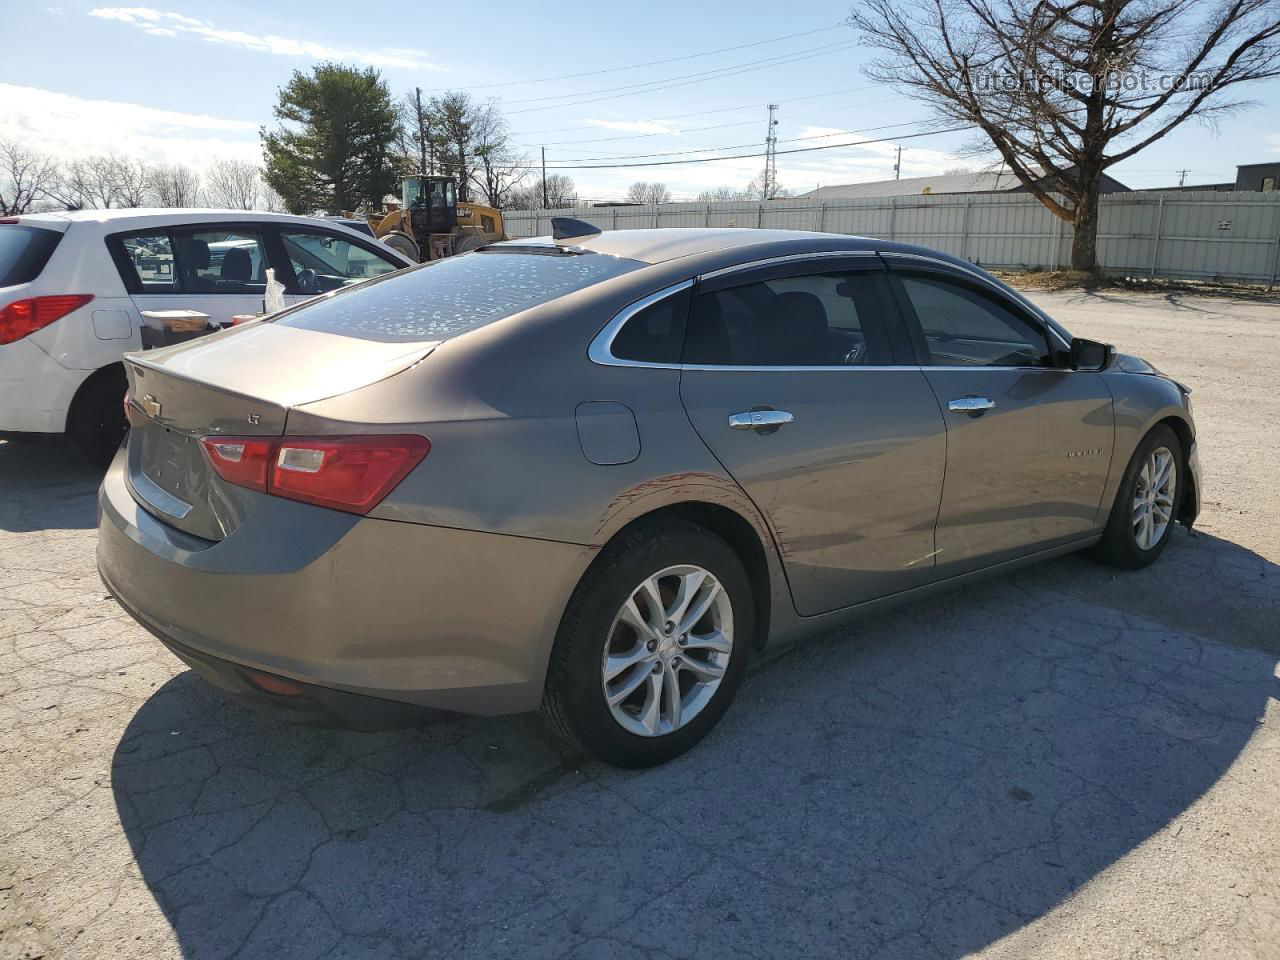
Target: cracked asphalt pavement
[(1066, 762)]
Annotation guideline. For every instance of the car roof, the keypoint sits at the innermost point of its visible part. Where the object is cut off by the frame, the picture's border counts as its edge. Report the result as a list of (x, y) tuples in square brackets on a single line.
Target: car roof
[(170, 214), (661, 244)]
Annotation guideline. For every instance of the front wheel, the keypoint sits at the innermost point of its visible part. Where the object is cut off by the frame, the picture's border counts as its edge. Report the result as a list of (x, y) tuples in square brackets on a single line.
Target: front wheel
[(1144, 514), (652, 647)]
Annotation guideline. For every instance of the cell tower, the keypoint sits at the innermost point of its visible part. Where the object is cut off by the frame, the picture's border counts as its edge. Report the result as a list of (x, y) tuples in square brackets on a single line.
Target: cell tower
[(770, 186)]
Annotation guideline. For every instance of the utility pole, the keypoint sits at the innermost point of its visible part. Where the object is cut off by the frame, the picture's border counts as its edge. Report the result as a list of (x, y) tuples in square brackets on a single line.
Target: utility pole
[(1182, 177), (770, 185), (544, 178), (897, 164)]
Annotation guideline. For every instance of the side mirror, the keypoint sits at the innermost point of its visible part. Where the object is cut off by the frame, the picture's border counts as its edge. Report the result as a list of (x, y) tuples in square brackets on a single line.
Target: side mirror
[(1090, 354)]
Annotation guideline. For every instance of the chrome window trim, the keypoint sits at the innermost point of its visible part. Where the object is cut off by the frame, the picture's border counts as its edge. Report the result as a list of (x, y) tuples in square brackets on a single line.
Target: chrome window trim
[(601, 349)]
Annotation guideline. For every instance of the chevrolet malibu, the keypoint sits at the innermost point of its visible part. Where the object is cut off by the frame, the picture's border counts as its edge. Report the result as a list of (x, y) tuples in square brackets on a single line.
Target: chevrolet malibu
[(596, 473)]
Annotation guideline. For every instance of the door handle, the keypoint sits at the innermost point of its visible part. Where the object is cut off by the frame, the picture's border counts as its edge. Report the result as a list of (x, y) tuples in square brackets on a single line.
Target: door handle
[(971, 404), (761, 420)]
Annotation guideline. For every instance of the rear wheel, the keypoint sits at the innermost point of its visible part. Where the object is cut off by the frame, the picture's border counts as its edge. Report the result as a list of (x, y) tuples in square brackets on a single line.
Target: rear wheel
[(96, 423), (1144, 514), (652, 647)]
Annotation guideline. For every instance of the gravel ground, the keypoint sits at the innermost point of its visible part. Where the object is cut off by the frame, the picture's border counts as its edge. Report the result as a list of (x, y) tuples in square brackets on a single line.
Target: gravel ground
[(1067, 762)]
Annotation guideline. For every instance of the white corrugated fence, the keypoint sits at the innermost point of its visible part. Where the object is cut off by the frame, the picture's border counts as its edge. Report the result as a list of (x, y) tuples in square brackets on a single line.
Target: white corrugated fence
[(1229, 236)]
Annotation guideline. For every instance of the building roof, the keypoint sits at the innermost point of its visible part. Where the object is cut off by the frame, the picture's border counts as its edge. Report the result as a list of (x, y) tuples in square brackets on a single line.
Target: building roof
[(982, 182)]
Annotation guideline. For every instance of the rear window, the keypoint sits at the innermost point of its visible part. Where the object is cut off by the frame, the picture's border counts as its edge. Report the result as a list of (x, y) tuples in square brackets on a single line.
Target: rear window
[(24, 251), (452, 296)]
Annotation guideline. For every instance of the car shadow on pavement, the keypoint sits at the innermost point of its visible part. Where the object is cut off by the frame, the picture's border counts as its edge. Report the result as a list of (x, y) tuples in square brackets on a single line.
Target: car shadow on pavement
[(46, 485), (919, 785)]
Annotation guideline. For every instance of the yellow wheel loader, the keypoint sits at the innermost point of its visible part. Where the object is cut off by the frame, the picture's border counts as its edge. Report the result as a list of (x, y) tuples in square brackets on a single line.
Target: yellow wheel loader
[(429, 223)]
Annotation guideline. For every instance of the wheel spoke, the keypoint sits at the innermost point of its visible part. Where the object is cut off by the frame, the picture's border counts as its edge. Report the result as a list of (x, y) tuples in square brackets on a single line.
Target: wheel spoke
[(630, 685), (690, 584), (653, 601), (716, 641), (703, 669), (630, 615), (651, 712), (674, 705), (699, 609), (615, 663), (1163, 468)]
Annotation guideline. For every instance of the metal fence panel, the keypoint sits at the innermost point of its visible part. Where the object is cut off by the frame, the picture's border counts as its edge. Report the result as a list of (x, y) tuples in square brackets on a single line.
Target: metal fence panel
[(1195, 234)]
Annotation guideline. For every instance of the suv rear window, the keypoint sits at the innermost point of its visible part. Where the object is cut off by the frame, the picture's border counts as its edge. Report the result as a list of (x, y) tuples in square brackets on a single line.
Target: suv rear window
[(24, 251), (449, 297)]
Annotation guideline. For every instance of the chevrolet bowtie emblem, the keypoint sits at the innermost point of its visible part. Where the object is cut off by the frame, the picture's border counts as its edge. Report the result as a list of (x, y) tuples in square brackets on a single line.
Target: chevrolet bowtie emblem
[(150, 405)]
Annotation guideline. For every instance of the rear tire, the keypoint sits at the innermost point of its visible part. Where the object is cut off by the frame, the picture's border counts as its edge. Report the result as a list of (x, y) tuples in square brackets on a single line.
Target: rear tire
[(682, 675), (1128, 542), (96, 423)]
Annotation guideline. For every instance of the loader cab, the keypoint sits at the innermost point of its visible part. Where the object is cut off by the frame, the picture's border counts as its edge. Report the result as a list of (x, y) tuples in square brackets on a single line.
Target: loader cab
[(431, 202)]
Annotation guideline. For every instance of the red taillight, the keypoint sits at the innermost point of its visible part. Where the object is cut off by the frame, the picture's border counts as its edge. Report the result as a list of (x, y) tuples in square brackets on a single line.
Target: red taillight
[(241, 460), (353, 474), (24, 317)]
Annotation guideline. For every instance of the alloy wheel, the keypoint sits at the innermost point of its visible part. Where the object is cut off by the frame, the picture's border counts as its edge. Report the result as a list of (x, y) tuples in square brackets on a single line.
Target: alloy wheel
[(667, 650), (1153, 498)]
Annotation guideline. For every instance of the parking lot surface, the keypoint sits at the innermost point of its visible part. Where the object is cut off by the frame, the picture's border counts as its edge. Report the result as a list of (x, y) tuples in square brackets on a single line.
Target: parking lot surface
[(1067, 762)]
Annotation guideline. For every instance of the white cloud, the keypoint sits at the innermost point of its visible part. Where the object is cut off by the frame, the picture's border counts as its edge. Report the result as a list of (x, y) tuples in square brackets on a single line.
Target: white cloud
[(163, 23), (633, 126), (1273, 141), (69, 127)]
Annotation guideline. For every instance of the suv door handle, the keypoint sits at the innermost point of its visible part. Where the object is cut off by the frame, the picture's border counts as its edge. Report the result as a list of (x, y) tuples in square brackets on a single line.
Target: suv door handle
[(761, 420), (971, 404)]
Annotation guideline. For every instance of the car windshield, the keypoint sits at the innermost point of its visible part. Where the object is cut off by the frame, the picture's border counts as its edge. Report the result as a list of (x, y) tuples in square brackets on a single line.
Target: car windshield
[(451, 296)]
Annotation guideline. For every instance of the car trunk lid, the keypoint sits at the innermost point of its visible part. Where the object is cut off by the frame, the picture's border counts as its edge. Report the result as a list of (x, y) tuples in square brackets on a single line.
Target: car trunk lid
[(239, 383)]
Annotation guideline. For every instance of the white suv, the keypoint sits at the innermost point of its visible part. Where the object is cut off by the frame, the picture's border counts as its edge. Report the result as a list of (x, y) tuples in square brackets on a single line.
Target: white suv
[(76, 289)]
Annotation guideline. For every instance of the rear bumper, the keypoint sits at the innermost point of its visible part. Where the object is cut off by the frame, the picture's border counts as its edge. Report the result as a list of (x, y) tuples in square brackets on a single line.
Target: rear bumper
[(35, 390), (371, 615)]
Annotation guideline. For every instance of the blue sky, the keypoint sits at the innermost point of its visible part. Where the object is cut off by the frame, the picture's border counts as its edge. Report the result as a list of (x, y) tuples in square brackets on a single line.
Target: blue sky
[(192, 82)]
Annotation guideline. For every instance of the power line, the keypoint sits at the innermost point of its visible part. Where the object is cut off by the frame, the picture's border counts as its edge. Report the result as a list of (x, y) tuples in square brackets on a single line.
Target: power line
[(754, 156), (651, 63), (682, 116), (731, 72), (740, 146)]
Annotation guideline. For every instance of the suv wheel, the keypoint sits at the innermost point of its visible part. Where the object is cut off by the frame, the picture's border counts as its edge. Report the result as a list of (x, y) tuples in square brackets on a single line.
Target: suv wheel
[(653, 646)]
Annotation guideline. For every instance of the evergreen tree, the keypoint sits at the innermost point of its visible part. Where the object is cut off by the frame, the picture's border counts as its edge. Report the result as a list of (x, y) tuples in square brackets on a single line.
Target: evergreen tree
[(331, 150)]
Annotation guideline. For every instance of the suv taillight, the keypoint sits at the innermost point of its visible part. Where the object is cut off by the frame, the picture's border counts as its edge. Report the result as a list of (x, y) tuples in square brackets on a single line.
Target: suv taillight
[(353, 474), (24, 317)]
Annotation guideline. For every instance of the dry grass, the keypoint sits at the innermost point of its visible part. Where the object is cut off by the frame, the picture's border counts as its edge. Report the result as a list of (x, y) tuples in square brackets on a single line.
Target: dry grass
[(1077, 280)]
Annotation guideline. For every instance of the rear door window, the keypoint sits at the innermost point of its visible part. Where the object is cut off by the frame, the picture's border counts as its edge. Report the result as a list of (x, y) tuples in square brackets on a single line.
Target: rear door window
[(24, 251), (449, 297), (215, 259), (812, 320)]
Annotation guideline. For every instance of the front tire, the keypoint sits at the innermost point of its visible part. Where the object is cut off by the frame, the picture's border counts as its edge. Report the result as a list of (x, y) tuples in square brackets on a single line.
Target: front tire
[(403, 245), (1147, 503), (652, 647)]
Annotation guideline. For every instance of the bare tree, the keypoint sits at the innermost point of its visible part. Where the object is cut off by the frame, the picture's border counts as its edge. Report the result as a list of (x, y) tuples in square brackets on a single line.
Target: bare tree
[(722, 194), (957, 171), (417, 146), (642, 191), (234, 184), (500, 168), (25, 177), (130, 181), (561, 192), (175, 185), (1064, 89)]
